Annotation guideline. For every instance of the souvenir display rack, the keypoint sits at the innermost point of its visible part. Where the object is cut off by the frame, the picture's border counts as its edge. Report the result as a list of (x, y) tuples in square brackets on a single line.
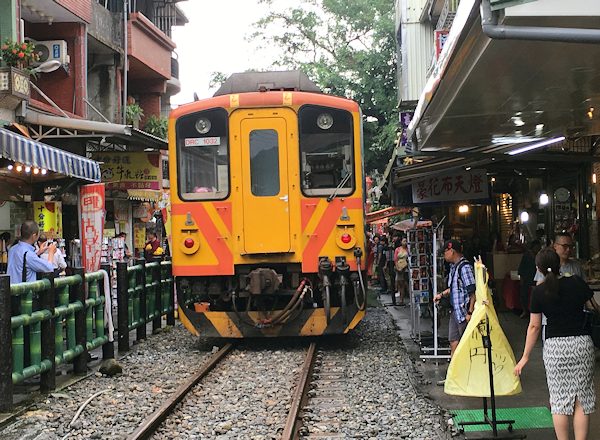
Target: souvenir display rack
[(420, 250)]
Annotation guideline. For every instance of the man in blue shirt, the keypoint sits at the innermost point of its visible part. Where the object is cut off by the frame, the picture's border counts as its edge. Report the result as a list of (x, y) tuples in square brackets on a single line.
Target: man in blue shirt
[(23, 254), (461, 290)]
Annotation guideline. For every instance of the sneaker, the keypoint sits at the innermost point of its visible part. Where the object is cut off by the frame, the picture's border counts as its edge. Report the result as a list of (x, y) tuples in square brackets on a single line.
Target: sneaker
[(441, 383)]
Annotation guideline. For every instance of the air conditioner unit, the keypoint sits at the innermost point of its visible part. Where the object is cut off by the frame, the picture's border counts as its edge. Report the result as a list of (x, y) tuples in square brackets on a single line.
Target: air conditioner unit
[(52, 50)]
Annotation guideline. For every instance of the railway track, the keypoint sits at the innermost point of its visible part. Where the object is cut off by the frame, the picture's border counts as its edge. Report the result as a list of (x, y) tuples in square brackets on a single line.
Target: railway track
[(320, 400), (151, 424)]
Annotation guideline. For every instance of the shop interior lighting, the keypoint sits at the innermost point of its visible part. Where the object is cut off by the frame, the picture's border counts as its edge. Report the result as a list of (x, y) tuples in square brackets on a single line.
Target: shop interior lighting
[(44, 172), (590, 113), (517, 121), (536, 145), (493, 179), (463, 209), (10, 167), (515, 139), (36, 171), (524, 217), (544, 199), (594, 178), (19, 168), (28, 170)]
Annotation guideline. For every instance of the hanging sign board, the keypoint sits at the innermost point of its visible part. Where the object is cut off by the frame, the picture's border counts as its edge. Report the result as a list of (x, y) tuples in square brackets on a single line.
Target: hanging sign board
[(457, 185), (130, 170), (91, 212), (48, 216)]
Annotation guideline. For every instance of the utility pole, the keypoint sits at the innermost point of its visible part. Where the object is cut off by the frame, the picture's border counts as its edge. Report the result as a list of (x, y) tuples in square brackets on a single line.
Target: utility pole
[(125, 59)]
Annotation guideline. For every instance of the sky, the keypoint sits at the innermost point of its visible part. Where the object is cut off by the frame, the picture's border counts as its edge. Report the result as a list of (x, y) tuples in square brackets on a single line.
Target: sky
[(214, 40)]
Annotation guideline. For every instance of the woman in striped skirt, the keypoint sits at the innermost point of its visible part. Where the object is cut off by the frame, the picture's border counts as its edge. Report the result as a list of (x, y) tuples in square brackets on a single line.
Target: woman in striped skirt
[(568, 348)]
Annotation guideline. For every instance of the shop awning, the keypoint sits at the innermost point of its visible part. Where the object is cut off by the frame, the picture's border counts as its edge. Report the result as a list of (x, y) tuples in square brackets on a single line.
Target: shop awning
[(383, 214), (36, 154), (144, 195)]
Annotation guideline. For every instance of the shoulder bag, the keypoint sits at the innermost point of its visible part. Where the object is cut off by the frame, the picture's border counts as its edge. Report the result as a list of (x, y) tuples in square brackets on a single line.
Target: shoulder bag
[(592, 323)]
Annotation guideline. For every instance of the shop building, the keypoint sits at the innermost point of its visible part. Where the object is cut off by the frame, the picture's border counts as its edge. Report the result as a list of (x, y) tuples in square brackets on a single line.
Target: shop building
[(104, 75), (520, 112)]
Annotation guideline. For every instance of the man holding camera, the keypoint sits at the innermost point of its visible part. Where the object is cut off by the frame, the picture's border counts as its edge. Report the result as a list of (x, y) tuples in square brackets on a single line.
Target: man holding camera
[(24, 261), (461, 292)]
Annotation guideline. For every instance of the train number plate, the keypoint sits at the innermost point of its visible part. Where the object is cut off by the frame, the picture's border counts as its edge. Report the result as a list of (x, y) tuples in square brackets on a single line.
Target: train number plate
[(202, 142)]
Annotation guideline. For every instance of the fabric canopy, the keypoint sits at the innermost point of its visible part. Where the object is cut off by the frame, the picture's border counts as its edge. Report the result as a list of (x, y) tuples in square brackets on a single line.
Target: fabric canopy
[(36, 154)]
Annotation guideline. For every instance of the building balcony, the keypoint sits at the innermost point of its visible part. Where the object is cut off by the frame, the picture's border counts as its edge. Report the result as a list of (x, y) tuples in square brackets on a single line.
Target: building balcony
[(149, 50)]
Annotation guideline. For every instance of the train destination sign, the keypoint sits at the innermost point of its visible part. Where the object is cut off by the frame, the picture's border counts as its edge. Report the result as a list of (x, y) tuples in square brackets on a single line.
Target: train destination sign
[(457, 185)]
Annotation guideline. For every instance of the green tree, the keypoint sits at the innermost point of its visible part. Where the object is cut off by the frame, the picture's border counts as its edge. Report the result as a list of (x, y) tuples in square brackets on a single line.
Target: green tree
[(348, 48)]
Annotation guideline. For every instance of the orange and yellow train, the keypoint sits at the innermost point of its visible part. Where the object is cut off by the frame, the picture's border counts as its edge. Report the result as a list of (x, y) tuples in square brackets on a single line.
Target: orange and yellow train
[(267, 200)]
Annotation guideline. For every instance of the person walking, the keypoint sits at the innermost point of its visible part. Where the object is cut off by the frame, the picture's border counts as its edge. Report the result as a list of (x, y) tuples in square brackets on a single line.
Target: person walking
[(461, 291), (527, 275), (24, 261), (401, 267), (568, 351), (380, 263), (391, 270)]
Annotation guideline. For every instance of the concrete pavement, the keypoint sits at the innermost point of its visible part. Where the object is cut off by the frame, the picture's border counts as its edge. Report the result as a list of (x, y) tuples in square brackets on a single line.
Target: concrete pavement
[(533, 380)]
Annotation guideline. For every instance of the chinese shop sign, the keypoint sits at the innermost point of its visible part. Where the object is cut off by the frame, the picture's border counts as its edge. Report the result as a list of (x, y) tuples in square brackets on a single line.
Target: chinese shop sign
[(91, 209), (130, 170), (48, 216), (465, 185)]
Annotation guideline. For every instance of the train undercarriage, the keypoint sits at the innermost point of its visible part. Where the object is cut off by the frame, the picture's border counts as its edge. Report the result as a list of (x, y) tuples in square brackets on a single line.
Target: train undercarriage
[(274, 300)]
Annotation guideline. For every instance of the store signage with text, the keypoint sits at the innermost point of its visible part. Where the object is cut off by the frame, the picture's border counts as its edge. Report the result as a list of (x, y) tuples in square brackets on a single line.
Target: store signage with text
[(459, 185), (91, 210), (48, 216), (130, 170)]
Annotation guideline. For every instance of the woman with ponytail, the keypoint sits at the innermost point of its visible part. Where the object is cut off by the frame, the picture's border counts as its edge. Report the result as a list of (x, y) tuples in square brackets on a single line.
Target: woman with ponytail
[(568, 347)]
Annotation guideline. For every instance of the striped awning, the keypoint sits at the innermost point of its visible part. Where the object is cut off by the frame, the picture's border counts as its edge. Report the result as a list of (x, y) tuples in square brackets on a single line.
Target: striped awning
[(36, 154)]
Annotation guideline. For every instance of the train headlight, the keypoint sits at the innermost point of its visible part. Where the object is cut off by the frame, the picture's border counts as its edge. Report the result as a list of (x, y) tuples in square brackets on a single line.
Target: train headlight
[(203, 125), (325, 121)]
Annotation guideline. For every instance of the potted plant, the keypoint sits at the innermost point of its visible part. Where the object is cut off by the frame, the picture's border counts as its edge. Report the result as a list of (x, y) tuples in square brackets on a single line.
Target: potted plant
[(14, 74), (156, 126), (133, 114)]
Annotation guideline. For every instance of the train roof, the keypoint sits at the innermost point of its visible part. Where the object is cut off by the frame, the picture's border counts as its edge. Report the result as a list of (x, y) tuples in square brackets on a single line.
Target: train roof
[(291, 80)]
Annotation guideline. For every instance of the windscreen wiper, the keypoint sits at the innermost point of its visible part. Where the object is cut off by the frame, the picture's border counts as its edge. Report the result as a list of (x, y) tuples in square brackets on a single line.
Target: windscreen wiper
[(337, 188)]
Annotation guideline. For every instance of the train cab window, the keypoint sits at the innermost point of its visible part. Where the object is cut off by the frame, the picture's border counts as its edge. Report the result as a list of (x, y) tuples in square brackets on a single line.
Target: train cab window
[(203, 155), (264, 162), (326, 151)]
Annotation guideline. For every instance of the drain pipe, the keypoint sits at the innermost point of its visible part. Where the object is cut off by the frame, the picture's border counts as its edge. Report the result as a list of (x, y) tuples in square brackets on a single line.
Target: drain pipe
[(491, 28)]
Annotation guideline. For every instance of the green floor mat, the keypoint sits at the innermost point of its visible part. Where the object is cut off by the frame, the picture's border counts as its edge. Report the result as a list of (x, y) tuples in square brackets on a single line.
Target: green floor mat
[(525, 418)]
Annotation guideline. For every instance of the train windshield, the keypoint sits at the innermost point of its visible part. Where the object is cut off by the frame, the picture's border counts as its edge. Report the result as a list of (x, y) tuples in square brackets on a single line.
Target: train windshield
[(203, 155), (326, 151)]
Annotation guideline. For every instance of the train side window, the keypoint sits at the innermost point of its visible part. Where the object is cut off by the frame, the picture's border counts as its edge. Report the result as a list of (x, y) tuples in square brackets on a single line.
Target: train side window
[(326, 151), (264, 162), (203, 155)]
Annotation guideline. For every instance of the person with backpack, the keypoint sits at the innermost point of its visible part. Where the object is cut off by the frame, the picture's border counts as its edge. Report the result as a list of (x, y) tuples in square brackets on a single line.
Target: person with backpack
[(460, 291)]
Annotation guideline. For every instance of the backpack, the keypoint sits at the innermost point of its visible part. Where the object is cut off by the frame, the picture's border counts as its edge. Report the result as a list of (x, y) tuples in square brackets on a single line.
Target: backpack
[(402, 262)]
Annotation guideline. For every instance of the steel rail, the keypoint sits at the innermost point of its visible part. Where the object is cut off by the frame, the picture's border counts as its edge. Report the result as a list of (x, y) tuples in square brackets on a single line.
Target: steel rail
[(289, 432), (151, 423)]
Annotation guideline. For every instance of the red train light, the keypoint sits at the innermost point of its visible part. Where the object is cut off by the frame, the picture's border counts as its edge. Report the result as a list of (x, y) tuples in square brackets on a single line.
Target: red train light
[(346, 238), (189, 243)]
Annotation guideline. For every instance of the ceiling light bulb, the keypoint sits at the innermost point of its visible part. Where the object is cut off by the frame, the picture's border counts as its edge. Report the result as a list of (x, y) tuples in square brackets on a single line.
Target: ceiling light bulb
[(10, 167), (44, 172), (524, 217), (36, 171), (28, 169), (544, 199), (19, 168)]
